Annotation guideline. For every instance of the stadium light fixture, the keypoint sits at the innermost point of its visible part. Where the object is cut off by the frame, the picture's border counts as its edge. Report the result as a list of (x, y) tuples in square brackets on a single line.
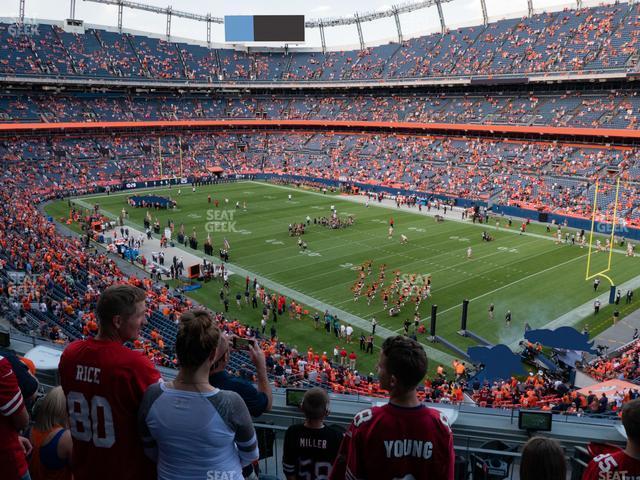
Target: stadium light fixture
[(322, 39), (120, 8), (360, 37), (443, 26), (169, 13), (396, 16), (485, 16), (21, 12)]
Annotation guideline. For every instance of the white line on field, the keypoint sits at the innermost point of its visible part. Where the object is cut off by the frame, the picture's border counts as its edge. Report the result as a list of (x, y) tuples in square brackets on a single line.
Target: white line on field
[(508, 285)]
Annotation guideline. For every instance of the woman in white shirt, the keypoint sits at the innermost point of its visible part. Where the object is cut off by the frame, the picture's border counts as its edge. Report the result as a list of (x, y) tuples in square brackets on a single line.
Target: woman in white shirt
[(191, 429)]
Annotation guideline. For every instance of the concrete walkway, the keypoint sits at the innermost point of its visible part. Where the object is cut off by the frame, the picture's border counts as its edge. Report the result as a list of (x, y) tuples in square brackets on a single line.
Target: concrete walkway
[(191, 257), (621, 333), (586, 309)]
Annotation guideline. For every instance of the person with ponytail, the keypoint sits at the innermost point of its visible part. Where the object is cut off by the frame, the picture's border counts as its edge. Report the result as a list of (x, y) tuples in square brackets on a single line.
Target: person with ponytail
[(51, 438), (189, 428)]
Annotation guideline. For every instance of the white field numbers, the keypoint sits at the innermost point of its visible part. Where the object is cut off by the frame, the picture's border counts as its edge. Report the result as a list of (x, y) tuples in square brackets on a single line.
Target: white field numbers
[(460, 239), (309, 253), (93, 423), (348, 265)]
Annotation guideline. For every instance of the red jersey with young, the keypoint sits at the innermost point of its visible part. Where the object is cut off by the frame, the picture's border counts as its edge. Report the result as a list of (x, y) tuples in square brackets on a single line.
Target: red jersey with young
[(104, 383), (12, 459), (612, 466), (391, 442)]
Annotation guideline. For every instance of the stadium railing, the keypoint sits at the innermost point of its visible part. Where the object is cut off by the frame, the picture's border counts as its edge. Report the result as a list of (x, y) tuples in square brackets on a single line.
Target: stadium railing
[(473, 427)]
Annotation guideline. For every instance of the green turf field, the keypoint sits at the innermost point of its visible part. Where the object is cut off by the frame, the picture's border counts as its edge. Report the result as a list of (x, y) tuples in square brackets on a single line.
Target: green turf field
[(533, 277)]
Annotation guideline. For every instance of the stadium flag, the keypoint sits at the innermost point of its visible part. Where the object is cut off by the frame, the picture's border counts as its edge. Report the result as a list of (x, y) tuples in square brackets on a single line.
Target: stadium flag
[(226, 245)]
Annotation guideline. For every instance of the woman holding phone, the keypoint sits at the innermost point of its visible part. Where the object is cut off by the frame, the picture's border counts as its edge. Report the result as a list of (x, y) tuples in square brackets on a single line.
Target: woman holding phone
[(258, 398), (190, 428)]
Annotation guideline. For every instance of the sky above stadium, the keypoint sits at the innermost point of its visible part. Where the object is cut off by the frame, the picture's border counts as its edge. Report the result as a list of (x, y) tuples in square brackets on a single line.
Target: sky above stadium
[(456, 13)]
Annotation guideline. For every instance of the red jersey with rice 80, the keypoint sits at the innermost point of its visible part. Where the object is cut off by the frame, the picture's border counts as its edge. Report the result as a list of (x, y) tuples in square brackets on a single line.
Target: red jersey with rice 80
[(613, 466), (104, 383), (13, 463), (396, 443)]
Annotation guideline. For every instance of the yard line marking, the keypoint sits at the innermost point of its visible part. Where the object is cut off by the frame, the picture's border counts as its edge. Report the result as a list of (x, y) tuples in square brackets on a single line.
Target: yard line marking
[(443, 268), (312, 302), (507, 285), (357, 199)]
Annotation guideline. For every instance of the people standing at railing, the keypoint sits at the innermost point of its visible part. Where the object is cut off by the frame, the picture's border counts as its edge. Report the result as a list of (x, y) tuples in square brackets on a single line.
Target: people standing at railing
[(13, 418), (375, 443), (104, 382), (310, 448), (258, 399), (623, 464), (192, 429), (51, 438)]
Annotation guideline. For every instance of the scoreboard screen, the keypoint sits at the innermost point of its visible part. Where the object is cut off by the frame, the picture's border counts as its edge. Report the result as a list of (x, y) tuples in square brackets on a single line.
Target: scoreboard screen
[(264, 28)]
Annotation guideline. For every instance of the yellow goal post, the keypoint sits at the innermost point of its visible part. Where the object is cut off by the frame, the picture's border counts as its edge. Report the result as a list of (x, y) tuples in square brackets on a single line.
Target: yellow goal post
[(614, 221)]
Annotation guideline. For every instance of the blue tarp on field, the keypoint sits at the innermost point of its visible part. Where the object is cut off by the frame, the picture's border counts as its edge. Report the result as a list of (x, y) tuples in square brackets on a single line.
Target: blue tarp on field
[(567, 338), (500, 363)]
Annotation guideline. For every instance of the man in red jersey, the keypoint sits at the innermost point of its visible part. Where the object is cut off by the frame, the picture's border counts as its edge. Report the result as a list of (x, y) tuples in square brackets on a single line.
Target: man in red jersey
[(104, 382), (624, 464), (403, 439), (13, 417)]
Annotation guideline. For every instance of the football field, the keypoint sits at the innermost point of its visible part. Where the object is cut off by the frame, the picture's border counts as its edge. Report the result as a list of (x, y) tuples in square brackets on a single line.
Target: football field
[(530, 275)]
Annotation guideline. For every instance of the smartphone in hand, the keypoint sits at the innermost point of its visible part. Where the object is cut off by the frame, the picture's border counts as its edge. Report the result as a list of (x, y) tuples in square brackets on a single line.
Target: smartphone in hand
[(240, 343)]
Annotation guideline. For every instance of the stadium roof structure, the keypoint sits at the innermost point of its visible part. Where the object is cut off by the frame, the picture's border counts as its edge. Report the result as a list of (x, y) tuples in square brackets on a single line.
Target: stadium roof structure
[(321, 23), (358, 18)]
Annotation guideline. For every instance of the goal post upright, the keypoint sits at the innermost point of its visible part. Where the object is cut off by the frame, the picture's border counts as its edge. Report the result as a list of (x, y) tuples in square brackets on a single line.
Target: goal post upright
[(593, 223), (603, 273), (613, 223)]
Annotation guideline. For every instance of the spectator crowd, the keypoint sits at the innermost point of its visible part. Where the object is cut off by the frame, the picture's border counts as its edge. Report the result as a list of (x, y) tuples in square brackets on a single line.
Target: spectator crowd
[(597, 39)]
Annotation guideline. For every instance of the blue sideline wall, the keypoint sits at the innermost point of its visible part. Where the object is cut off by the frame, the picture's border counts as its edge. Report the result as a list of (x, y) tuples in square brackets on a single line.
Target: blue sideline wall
[(509, 211)]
